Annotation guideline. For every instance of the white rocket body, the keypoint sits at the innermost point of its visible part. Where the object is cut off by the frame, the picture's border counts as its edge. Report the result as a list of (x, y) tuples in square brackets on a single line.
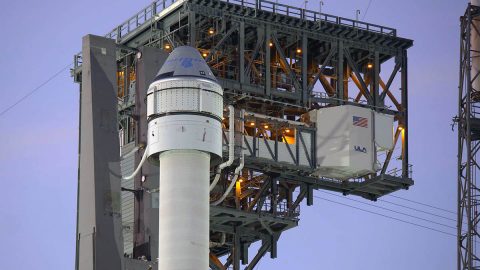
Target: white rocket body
[(184, 109)]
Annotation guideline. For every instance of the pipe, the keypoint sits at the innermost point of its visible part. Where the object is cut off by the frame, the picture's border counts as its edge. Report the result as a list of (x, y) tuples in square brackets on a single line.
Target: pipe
[(231, 147), (144, 157), (219, 244), (240, 166)]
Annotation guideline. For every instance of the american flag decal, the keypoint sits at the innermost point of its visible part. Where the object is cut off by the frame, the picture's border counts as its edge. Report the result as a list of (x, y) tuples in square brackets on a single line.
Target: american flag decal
[(360, 121)]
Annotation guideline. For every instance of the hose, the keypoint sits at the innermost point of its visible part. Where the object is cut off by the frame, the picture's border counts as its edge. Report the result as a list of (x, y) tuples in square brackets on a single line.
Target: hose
[(231, 147), (237, 170), (144, 157)]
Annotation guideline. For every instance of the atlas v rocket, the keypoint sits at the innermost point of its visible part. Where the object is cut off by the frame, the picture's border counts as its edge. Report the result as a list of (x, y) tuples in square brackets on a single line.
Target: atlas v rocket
[(184, 110)]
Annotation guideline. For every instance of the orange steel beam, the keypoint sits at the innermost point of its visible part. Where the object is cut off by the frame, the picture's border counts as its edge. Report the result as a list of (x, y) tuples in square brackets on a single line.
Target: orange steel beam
[(355, 80), (391, 96), (326, 85), (214, 259)]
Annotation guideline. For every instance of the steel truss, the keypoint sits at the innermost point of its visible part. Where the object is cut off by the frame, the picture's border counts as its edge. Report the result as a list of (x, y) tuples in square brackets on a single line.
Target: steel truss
[(468, 145), (280, 61)]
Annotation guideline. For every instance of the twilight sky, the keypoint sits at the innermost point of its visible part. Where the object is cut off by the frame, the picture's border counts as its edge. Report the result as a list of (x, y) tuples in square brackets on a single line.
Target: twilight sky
[(39, 140)]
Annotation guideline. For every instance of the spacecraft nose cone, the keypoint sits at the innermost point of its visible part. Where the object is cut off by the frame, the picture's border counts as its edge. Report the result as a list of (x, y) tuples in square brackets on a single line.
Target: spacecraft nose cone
[(185, 61)]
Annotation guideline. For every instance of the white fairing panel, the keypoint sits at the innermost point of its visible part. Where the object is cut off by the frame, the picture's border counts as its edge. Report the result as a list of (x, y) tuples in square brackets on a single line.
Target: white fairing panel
[(383, 131), (184, 131)]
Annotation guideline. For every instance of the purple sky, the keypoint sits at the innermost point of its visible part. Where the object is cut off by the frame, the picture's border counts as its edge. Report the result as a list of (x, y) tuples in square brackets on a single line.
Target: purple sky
[(38, 138)]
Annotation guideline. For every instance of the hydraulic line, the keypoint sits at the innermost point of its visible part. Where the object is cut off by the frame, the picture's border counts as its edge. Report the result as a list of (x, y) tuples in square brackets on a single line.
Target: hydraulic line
[(231, 147), (144, 157), (238, 169)]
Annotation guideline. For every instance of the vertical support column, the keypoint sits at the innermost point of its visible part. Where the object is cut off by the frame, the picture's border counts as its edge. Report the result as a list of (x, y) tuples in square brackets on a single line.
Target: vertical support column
[(268, 76), (376, 81), (309, 195), (241, 54), (236, 251), (464, 239), (340, 75), (192, 29), (273, 246), (404, 85), (346, 76), (145, 238), (460, 152), (99, 228), (274, 194), (304, 96), (126, 80), (473, 81), (468, 145), (244, 253)]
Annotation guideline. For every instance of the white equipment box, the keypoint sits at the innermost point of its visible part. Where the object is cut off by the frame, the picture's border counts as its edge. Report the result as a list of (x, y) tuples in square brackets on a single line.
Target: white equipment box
[(348, 138)]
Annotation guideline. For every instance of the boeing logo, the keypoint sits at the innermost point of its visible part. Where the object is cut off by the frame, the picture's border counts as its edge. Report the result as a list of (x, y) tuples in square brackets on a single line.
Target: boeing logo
[(187, 62), (360, 149)]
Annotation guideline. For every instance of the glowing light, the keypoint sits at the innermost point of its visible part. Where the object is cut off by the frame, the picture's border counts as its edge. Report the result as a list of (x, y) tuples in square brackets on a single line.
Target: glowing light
[(266, 126), (369, 65), (252, 124), (211, 31), (287, 130), (167, 46), (400, 128), (270, 44), (238, 188), (299, 50), (204, 54)]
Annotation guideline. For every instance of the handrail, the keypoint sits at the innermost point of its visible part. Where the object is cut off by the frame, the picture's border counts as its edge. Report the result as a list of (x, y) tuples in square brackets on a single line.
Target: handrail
[(311, 15)]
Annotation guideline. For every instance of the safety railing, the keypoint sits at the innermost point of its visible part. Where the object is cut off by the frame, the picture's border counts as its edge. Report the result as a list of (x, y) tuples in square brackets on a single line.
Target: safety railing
[(139, 19), (281, 209), (324, 99), (397, 172), (311, 15)]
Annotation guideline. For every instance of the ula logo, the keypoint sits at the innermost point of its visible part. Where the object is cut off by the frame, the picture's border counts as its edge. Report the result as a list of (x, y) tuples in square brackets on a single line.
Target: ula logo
[(360, 149)]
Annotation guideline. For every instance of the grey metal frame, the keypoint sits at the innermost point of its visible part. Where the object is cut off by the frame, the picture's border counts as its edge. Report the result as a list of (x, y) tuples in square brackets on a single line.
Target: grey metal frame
[(468, 120)]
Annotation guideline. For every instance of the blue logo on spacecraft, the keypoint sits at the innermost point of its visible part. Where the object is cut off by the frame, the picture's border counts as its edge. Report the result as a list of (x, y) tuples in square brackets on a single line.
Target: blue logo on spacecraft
[(187, 62)]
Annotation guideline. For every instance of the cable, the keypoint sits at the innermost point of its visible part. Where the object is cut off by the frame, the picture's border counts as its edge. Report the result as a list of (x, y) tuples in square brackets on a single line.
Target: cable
[(418, 210), (407, 207), (394, 211), (366, 10), (34, 90), (390, 217), (424, 204)]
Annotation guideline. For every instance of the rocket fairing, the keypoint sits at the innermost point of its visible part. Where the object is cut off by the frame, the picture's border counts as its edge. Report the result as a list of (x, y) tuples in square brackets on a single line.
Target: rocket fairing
[(184, 110)]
